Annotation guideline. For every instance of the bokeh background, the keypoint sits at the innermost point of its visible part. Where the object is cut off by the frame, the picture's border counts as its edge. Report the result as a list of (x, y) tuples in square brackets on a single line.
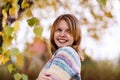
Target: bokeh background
[(25, 40)]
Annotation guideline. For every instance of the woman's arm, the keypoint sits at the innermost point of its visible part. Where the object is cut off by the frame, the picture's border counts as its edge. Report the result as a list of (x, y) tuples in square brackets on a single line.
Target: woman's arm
[(65, 65), (44, 77)]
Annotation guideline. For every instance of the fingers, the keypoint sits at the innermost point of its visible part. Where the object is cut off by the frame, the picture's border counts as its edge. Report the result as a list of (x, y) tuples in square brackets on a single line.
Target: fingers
[(43, 77)]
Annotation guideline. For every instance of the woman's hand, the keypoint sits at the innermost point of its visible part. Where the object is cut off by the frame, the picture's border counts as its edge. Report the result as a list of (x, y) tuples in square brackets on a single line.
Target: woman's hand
[(43, 77)]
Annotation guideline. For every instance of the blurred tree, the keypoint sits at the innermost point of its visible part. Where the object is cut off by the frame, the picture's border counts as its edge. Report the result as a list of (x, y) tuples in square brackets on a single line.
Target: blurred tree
[(98, 70), (117, 72), (4, 73), (89, 69), (107, 68), (12, 11), (35, 56)]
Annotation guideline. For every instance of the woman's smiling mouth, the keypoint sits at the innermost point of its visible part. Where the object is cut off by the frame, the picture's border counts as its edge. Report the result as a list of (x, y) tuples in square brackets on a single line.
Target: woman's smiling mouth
[(62, 40)]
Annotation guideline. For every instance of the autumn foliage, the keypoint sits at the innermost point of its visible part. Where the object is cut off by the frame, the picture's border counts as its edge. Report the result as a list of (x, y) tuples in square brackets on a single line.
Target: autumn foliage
[(26, 65)]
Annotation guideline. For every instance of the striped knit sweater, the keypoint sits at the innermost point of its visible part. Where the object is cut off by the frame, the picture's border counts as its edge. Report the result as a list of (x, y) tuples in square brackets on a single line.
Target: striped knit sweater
[(64, 65)]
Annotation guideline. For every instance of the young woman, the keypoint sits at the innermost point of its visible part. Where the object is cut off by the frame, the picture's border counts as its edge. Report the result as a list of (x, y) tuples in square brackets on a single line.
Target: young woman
[(65, 39)]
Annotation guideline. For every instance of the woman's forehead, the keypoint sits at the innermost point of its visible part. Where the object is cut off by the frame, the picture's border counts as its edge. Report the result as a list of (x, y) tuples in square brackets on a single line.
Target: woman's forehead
[(63, 24)]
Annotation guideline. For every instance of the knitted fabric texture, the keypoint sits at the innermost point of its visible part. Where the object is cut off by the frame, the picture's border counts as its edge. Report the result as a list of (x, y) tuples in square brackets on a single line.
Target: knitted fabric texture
[(64, 65)]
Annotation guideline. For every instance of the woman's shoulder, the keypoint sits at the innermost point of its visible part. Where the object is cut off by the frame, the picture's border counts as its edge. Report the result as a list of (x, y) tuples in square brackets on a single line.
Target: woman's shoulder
[(67, 50), (68, 53)]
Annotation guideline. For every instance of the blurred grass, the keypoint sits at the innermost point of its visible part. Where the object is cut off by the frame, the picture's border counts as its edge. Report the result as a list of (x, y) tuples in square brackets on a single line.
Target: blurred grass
[(36, 55), (91, 70), (4, 74), (100, 70)]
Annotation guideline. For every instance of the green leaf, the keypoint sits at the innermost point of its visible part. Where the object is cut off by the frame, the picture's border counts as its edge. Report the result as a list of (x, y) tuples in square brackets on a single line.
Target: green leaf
[(31, 22), (16, 26), (25, 4), (102, 2), (15, 51), (38, 31), (4, 46), (7, 6), (7, 41), (24, 77), (11, 68), (8, 30), (17, 76), (7, 53)]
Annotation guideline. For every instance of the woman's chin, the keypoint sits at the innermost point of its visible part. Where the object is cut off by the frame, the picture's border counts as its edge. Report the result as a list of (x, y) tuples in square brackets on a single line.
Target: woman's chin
[(61, 46)]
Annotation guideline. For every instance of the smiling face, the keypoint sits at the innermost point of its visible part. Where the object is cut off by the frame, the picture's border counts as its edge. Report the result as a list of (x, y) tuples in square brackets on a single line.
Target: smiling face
[(62, 35), (65, 31)]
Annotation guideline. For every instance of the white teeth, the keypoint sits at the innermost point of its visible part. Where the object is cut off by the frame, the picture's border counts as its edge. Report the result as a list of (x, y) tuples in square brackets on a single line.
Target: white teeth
[(62, 41)]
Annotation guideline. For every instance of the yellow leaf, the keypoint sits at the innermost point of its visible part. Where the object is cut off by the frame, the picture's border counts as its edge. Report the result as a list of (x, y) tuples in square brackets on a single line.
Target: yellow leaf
[(1, 33), (16, 26), (12, 11), (1, 59), (4, 22), (4, 14), (19, 61), (14, 2), (5, 60), (25, 4), (28, 12), (8, 40)]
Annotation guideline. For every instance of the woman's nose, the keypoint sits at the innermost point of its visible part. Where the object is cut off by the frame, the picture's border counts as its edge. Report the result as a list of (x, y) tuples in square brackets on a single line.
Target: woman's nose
[(62, 33)]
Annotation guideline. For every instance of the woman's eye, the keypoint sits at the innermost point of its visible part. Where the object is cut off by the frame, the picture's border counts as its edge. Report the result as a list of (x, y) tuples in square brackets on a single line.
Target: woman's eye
[(68, 31), (58, 30)]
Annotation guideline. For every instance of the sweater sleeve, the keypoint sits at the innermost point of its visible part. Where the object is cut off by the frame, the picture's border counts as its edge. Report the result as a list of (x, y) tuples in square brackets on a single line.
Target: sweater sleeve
[(64, 65)]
